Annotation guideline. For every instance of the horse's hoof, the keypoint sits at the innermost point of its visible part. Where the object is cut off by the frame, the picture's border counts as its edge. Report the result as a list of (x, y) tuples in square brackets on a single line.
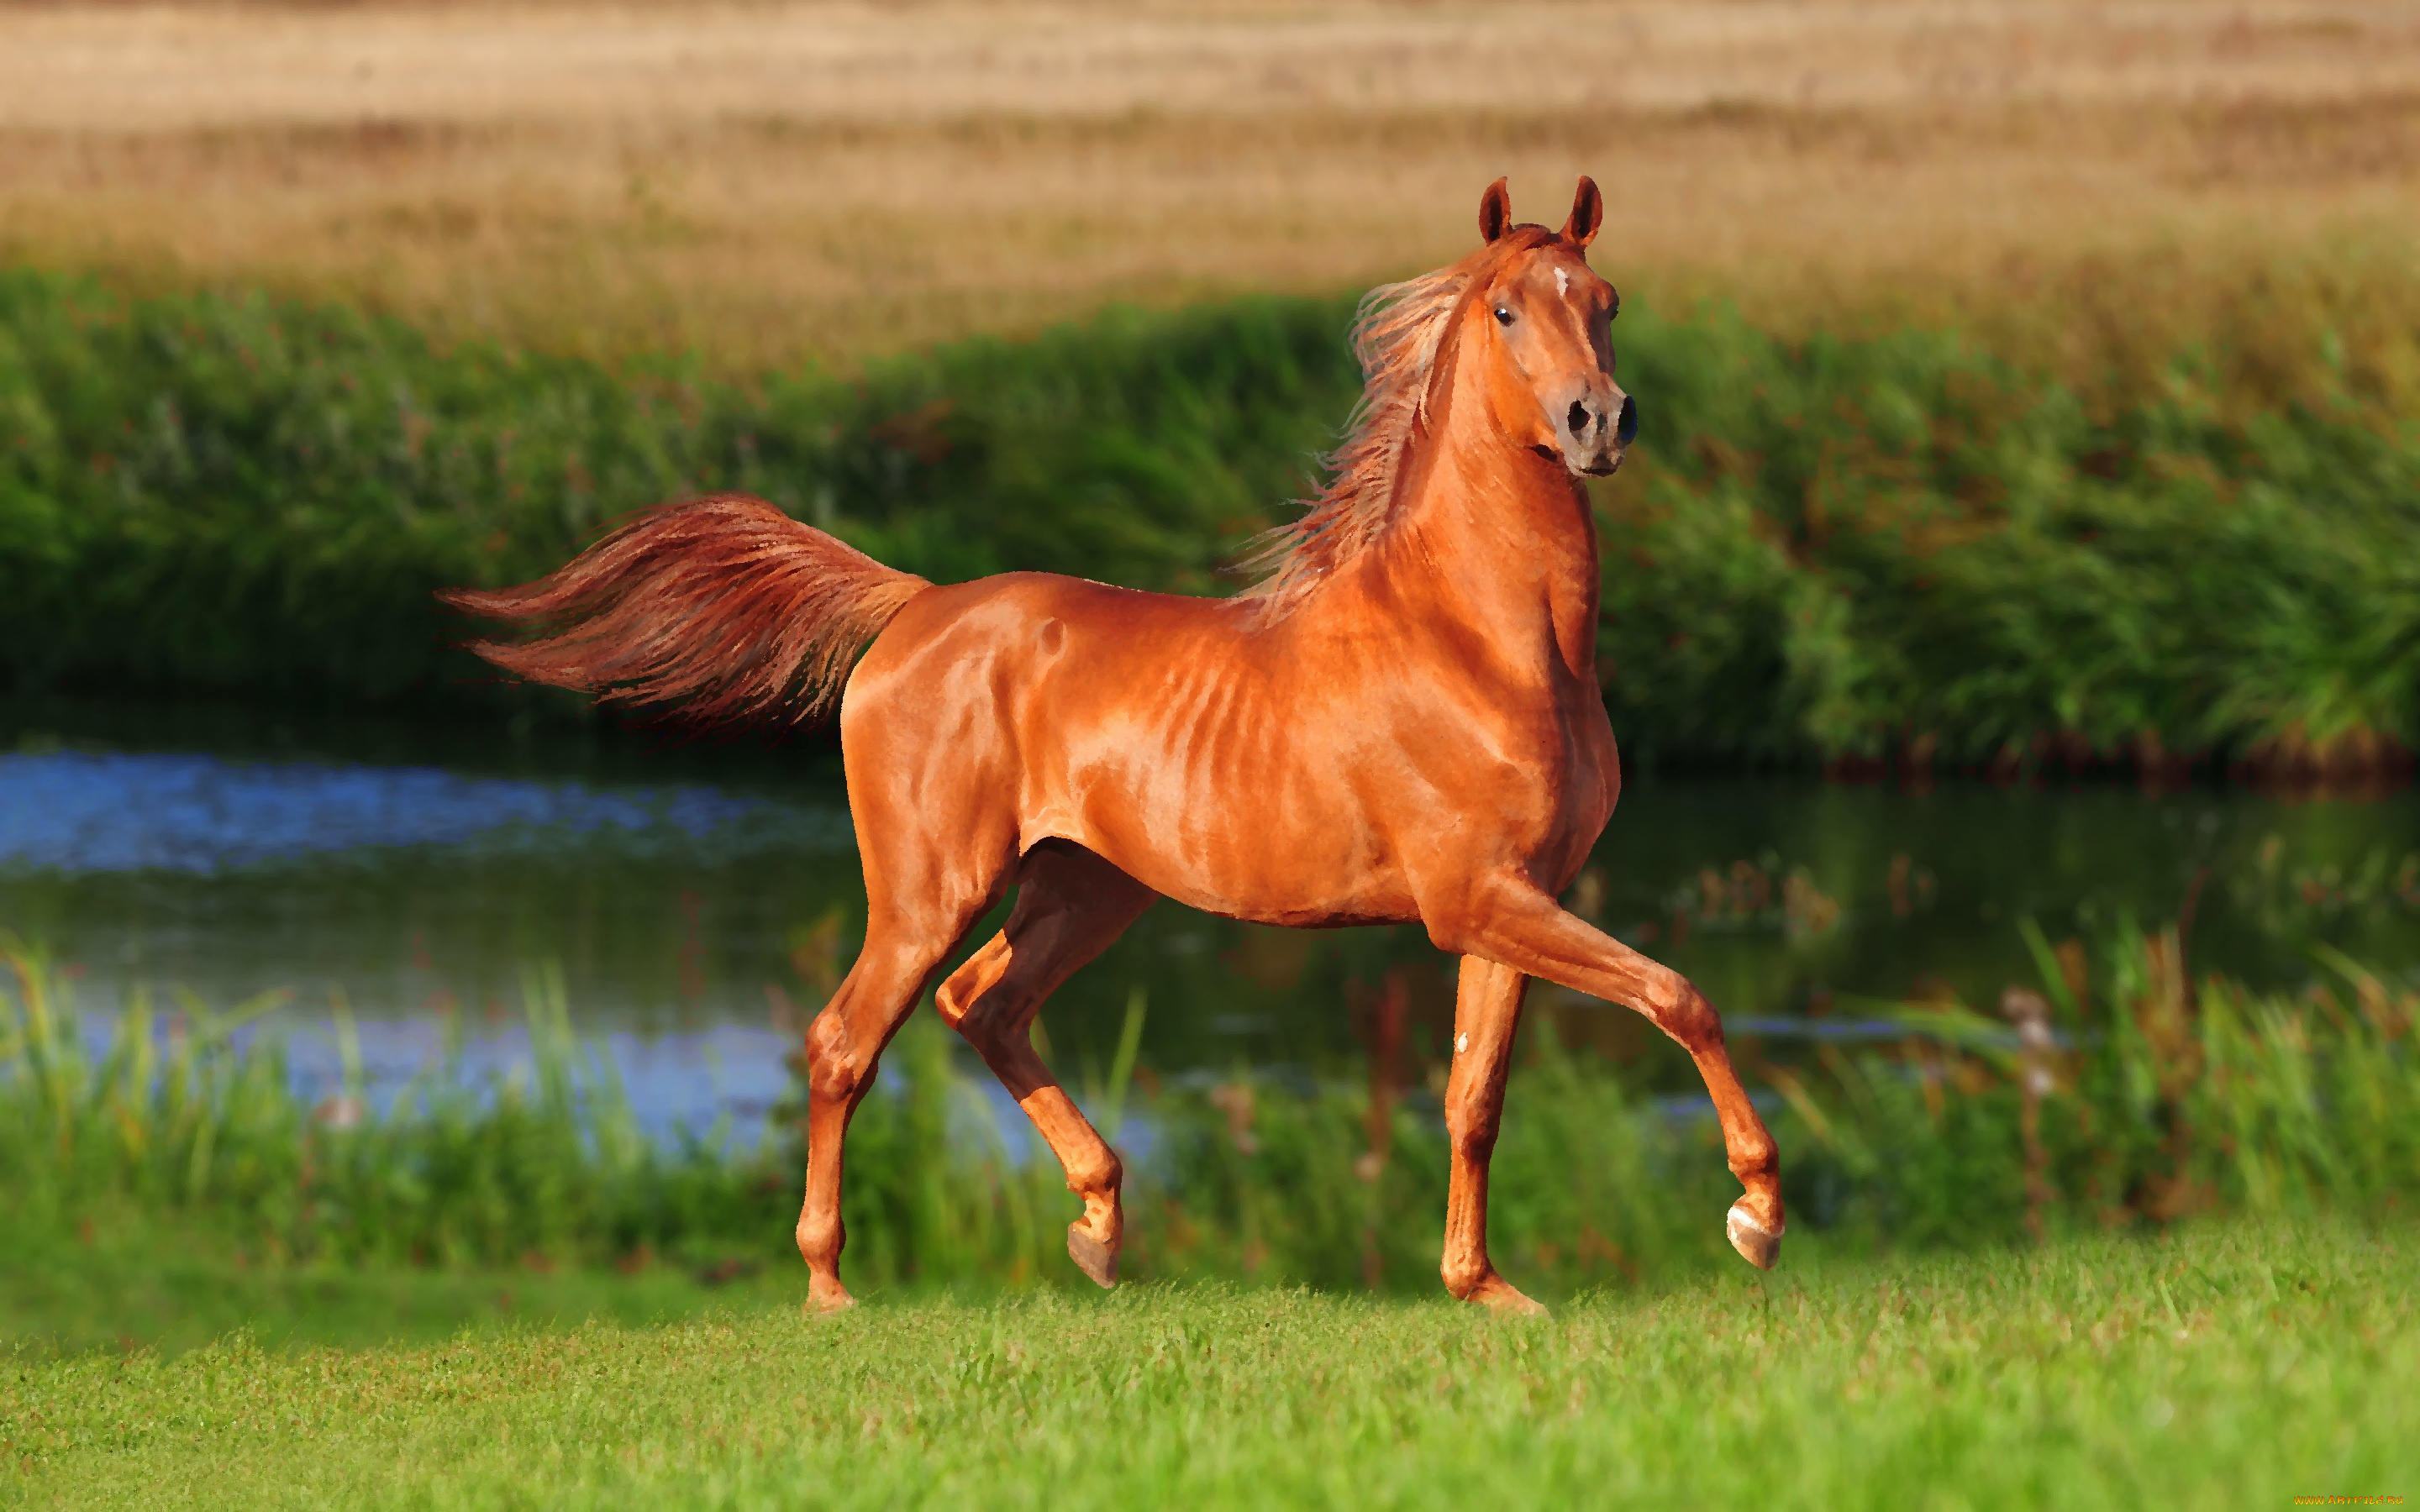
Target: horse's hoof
[(1092, 1256), (1757, 1245), (826, 1301), (1500, 1296)]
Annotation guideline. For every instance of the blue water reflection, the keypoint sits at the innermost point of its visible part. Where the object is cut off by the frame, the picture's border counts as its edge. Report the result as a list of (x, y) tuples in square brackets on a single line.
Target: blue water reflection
[(111, 812), (696, 923)]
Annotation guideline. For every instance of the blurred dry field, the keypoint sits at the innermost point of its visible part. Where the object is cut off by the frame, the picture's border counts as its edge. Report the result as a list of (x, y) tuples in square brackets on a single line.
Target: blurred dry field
[(764, 182)]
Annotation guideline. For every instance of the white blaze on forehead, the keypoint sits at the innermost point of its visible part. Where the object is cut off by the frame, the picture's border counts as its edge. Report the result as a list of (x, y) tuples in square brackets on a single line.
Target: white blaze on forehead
[(1563, 281)]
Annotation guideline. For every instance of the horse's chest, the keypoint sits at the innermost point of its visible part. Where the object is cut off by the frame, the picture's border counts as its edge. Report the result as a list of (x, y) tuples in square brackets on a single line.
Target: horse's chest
[(1551, 776), (1589, 775)]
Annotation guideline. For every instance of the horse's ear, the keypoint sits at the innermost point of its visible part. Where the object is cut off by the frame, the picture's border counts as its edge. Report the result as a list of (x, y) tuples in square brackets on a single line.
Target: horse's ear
[(1588, 213), (1495, 210)]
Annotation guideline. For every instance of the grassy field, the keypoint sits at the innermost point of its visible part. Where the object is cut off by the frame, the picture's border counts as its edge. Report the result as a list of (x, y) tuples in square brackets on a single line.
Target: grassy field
[(2217, 1364), (176, 1286), (763, 182)]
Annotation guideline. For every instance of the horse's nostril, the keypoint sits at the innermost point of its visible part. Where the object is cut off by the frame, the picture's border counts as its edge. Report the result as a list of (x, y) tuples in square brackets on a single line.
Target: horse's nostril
[(1627, 427), (1579, 419)]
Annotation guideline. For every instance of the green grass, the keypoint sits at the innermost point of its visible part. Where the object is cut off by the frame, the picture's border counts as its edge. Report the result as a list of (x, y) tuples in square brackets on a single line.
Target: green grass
[(2228, 1365), (2071, 532), (172, 1288)]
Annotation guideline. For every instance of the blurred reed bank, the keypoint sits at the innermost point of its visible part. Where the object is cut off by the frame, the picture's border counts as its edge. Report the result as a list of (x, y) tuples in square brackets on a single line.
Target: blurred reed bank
[(1991, 357)]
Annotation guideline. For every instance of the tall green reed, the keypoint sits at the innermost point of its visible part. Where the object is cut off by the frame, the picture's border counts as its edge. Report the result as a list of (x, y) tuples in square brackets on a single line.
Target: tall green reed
[(2169, 1096), (181, 1116), (2159, 1097)]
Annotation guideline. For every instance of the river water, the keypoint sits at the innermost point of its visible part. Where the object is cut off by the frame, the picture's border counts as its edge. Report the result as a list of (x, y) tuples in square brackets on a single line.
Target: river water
[(698, 904)]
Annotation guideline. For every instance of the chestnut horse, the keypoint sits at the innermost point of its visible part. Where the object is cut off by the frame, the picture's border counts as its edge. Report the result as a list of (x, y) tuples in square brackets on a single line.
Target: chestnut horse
[(1401, 723)]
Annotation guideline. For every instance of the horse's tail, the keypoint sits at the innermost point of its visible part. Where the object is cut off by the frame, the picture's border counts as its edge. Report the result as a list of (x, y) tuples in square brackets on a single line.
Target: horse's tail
[(721, 606)]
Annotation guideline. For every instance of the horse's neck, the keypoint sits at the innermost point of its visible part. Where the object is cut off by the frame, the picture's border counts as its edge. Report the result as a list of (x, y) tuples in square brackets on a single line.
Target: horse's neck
[(1495, 537)]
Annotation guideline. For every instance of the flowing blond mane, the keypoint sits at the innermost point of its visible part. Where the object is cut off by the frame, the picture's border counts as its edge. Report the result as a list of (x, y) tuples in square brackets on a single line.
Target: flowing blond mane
[(1397, 331)]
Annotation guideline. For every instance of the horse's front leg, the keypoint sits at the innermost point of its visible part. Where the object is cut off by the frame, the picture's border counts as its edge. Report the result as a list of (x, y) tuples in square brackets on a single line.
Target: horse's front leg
[(1486, 1012), (1526, 931)]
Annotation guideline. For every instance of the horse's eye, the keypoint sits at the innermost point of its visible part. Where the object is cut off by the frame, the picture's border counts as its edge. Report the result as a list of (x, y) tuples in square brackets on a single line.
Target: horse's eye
[(1503, 316)]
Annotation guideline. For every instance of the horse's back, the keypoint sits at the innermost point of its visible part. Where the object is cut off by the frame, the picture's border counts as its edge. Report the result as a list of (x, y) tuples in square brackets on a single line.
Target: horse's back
[(1021, 626), (1019, 675)]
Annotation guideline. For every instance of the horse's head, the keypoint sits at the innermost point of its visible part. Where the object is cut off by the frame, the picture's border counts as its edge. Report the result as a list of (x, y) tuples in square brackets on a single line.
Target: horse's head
[(1544, 321)]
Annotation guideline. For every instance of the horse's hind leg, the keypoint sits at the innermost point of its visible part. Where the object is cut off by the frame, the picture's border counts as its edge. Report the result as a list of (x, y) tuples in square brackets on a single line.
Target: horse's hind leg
[(1070, 904), (844, 1044)]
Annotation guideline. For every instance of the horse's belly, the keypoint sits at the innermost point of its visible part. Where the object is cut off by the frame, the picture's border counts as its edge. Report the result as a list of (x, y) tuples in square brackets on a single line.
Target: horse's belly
[(1275, 843), (1278, 882)]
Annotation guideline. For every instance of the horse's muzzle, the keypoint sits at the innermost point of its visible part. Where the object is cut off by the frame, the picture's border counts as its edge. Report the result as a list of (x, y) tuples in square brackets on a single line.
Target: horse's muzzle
[(1597, 431)]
